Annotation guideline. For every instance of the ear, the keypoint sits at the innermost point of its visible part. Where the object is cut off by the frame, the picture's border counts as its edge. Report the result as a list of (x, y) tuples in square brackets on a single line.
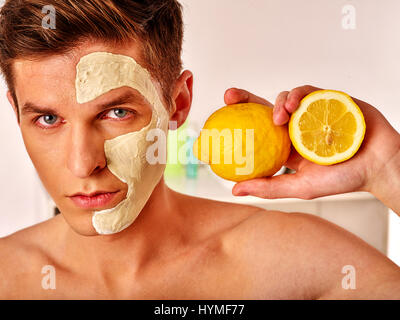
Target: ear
[(13, 104), (182, 98)]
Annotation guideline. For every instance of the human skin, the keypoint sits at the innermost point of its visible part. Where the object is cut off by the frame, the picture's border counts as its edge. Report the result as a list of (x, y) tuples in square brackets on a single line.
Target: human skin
[(375, 168), (179, 247)]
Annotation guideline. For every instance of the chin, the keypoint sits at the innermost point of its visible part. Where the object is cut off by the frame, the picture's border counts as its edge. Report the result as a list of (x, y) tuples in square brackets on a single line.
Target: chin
[(80, 222)]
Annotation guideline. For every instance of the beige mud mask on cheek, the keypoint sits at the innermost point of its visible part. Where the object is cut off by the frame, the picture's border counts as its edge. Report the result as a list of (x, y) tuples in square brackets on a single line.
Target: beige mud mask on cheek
[(96, 74)]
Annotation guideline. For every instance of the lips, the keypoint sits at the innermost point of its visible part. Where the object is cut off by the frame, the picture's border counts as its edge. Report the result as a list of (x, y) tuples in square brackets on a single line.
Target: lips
[(94, 200)]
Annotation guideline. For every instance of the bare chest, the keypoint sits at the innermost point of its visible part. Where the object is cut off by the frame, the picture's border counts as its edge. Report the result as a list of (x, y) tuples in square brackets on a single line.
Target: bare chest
[(200, 275)]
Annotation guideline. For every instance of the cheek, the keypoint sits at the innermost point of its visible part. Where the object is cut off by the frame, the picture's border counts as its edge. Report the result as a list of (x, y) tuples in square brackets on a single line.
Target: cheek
[(46, 155)]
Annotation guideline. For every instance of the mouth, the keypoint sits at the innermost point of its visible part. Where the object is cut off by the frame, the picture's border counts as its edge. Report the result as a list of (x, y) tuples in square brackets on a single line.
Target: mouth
[(94, 200)]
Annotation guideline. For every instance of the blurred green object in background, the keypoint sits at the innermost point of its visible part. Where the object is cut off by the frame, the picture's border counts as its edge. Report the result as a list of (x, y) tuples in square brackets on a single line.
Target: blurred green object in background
[(175, 142), (192, 162), (180, 159)]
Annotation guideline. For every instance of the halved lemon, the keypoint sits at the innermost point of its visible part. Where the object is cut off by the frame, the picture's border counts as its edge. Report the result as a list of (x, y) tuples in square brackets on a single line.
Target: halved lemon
[(327, 128)]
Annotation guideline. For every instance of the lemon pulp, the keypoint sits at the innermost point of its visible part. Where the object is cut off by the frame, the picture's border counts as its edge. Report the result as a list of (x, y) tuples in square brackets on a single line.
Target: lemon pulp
[(327, 128)]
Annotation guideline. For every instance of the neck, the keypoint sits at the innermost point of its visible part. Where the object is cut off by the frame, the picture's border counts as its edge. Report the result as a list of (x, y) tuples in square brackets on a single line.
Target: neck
[(155, 232)]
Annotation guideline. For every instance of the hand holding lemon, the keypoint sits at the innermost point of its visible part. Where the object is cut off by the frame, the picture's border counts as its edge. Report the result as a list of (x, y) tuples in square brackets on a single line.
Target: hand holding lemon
[(366, 167)]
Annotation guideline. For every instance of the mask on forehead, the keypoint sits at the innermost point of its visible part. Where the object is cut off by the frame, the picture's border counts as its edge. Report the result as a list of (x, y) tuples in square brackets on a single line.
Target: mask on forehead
[(96, 74)]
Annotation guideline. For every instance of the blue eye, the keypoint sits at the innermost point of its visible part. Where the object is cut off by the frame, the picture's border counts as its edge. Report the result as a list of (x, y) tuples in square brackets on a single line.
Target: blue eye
[(120, 113), (50, 119), (47, 121)]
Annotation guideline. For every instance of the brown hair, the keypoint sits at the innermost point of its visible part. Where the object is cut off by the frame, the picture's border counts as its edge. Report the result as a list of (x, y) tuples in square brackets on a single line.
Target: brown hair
[(157, 24)]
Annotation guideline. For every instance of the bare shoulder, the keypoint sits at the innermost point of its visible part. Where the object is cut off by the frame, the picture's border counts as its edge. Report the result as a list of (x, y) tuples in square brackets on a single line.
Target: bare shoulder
[(209, 218), (37, 235), (294, 255), (23, 255), (315, 255)]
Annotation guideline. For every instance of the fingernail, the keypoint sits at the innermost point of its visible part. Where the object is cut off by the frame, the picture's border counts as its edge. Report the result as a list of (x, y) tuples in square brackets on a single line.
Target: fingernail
[(242, 193)]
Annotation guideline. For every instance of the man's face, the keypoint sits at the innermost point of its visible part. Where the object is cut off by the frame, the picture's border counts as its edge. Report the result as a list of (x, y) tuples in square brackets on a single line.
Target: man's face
[(65, 140)]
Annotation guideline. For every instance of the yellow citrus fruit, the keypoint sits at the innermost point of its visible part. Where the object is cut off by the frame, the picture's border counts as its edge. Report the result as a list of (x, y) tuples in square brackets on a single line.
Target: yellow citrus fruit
[(241, 142), (327, 128)]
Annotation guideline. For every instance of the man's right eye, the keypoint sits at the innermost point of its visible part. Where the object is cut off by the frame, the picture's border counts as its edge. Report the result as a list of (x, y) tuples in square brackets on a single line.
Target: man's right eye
[(47, 121)]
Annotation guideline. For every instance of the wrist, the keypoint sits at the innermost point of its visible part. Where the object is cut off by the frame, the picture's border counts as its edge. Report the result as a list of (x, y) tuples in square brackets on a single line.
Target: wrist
[(384, 179)]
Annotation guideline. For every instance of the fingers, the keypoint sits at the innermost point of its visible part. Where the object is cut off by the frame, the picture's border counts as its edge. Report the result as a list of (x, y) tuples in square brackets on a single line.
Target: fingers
[(234, 95), (288, 102), (296, 95), (281, 186), (281, 116)]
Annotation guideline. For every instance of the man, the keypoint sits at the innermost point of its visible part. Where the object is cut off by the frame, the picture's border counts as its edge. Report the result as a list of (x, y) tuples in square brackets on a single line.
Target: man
[(178, 247)]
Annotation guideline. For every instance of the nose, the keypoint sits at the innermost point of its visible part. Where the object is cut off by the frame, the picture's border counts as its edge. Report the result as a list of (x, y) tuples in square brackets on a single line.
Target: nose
[(85, 152)]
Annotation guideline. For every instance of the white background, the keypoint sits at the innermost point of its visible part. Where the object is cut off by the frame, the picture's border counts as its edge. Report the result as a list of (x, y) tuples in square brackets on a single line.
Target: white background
[(264, 46)]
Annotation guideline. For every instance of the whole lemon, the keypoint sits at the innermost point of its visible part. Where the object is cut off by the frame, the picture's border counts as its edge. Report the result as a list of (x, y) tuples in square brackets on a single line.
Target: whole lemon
[(241, 142)]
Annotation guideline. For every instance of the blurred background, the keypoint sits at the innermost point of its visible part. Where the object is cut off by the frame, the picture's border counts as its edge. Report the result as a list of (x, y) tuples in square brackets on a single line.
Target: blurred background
[(263, 46)]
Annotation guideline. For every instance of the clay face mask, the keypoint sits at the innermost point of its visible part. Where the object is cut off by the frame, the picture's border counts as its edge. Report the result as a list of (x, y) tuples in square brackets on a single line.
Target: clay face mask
[(96, 74)]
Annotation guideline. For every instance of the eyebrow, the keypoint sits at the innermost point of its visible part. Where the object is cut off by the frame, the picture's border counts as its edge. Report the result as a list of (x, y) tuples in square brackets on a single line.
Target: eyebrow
[(128, 97)]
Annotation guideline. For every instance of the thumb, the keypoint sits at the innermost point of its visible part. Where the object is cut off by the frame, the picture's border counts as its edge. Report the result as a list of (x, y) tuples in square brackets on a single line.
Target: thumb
[(281, 186)]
